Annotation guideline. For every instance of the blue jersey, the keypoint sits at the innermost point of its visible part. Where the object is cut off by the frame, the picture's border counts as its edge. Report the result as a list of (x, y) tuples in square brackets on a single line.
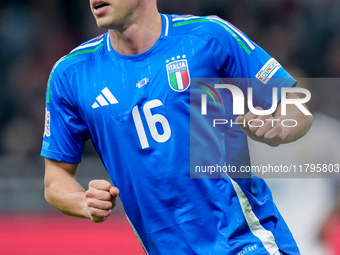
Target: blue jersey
[(139, 112)]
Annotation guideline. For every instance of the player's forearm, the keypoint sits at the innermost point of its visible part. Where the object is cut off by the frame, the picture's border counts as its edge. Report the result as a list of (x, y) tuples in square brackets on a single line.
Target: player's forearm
[(69, 201), (63, 192)]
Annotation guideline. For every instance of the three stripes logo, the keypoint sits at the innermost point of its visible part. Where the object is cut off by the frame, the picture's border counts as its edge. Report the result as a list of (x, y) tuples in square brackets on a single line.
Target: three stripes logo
[(104, 99), (211, 92)]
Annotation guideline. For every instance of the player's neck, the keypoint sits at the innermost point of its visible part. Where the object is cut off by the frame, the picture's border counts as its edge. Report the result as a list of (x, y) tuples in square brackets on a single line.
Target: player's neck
[(138, 37)]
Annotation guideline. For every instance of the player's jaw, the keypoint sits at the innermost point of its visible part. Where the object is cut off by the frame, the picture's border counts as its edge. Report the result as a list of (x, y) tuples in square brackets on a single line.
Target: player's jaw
[(113, 14)]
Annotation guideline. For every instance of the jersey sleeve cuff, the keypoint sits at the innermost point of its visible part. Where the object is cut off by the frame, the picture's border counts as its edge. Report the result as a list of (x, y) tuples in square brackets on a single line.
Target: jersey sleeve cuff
[(60, 157)]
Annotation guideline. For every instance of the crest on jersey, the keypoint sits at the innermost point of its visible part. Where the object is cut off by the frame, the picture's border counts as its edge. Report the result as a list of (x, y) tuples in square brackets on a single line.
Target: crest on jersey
[(178, 73)]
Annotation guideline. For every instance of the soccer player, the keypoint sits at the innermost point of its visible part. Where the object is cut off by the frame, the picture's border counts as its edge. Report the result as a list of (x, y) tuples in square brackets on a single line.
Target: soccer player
[(129, 92)]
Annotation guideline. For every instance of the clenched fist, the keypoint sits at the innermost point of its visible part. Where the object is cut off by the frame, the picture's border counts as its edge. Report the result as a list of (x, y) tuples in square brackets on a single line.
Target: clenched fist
[(101, 197), (271, 132)]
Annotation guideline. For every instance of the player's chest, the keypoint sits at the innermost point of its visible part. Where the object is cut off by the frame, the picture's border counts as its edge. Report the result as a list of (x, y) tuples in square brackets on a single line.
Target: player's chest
[(115, 88)]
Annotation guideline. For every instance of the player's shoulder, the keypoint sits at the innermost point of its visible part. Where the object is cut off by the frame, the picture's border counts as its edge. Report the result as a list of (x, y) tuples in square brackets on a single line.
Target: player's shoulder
[(213, 25), (85, 52)]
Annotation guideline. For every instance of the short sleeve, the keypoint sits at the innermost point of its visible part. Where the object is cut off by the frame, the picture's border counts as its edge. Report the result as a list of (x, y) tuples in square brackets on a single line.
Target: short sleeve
[(248, 65), (65, 131)]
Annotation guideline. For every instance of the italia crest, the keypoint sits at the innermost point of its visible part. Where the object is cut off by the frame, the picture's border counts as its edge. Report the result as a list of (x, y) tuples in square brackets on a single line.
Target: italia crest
[(178, 73)]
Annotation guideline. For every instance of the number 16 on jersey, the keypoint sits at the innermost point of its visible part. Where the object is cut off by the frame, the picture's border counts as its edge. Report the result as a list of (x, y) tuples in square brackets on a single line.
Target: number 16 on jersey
[(152, 120)]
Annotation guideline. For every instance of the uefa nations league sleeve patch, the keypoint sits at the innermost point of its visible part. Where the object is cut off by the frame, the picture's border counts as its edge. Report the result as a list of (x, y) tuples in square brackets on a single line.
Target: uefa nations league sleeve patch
[(47, 131), (268, 70)]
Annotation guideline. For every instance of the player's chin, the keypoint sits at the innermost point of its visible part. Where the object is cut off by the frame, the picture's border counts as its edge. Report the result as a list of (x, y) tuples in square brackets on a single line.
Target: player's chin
[(103, 22)]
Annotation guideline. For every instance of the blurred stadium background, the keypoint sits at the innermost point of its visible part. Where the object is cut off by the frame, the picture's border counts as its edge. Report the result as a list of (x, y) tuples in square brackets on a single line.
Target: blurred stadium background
[(303, 35)]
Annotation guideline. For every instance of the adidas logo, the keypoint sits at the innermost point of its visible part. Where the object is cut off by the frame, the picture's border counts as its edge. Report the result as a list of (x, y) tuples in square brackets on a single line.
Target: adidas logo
[(105, 99)]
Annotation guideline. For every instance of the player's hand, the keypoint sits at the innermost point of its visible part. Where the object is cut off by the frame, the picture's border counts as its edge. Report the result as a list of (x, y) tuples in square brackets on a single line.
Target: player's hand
[(271, 132), (101, 198)]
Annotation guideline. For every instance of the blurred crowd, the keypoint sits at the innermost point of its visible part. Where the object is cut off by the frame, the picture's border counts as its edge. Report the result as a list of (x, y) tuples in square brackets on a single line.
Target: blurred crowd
[(301, 34)]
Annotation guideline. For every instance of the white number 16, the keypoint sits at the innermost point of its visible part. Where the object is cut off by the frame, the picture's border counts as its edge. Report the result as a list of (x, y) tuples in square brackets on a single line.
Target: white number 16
[(152, 120)]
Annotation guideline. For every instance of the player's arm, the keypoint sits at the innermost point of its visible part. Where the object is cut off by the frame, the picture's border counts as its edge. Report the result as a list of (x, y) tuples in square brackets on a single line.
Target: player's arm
[(273, 132), (64, 192)]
